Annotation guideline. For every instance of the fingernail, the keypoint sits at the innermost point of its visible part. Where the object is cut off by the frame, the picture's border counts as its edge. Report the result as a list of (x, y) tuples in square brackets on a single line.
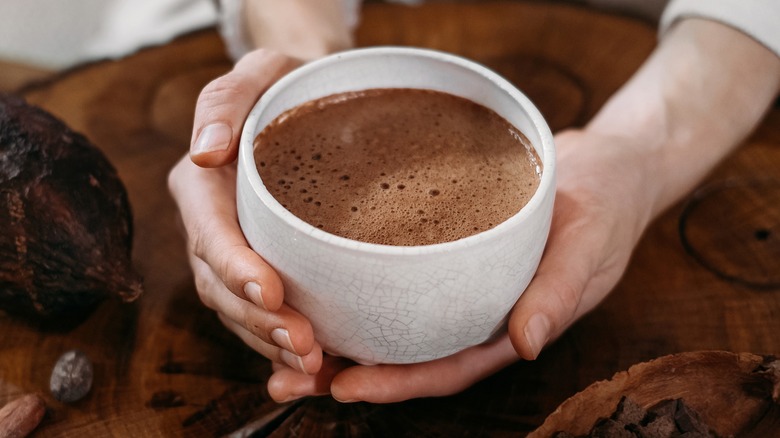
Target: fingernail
[(290, 398), (214, 137), (282, 339), (537, 332), (254, 292), (292, 360), (344, 401)]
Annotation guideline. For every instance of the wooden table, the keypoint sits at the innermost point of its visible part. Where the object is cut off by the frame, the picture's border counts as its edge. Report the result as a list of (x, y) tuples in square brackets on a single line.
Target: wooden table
[(705, 276)]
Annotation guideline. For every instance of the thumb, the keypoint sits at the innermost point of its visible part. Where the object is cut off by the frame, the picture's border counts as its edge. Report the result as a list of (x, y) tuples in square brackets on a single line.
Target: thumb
[(569, 282), (545, 310), (225, 102)]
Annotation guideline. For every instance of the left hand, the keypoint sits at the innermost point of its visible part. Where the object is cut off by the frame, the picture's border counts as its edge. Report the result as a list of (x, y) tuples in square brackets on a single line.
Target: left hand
[(230, 277), (603, 204)]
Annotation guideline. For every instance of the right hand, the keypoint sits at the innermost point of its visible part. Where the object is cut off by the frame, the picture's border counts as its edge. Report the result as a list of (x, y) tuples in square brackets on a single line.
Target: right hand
[(603, 203), (229, 276)]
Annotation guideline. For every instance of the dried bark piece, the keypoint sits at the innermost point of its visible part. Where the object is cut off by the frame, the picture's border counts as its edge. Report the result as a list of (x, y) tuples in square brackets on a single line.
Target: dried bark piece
[(731, 392), (667, 419), (65, 216), (20, 417), (71, 378)]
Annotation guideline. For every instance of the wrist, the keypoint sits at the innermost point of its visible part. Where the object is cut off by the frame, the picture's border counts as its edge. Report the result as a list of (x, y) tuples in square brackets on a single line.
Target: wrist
[(696, 98), (611, 173)]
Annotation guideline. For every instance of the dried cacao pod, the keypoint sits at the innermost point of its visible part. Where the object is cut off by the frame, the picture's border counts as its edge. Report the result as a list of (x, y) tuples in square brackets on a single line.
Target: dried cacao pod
[(65, 219)]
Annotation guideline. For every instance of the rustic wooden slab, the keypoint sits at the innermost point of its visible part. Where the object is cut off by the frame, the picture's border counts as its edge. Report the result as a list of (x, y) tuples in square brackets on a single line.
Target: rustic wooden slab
[(703, 277)]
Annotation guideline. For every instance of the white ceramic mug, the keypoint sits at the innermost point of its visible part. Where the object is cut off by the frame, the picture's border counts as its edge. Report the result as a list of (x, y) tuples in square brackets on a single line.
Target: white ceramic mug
[(392, 304)]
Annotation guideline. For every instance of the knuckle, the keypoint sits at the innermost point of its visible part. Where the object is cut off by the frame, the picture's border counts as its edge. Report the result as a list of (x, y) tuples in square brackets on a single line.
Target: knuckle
[(226, 83), (220, 92), (230, 269), (177, 178), (198, 239), (252, 324), (567, 298), (260, 55), (172, 180), (204, 287), (226, 262)]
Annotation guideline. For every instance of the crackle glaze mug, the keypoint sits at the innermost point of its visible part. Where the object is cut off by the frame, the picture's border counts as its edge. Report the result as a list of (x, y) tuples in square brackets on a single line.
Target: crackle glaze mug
[(397, 304)]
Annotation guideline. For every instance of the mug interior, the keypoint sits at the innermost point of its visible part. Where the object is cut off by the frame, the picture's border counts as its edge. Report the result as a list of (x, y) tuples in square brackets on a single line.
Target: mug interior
[(396, 67)]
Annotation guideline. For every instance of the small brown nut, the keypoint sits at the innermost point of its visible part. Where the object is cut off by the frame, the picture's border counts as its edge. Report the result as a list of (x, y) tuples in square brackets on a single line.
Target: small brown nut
[(21, 416), (71, 378)]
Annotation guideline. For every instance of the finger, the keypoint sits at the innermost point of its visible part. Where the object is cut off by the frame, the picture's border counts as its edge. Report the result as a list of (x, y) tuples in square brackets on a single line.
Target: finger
[(208, 211), (285, 328), (567, 284), (446, 376), (288, 384), (307, 364), (225, 102)]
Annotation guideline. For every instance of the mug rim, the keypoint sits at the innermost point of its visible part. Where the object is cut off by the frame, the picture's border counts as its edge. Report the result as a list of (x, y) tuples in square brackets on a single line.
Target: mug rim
[(249, 166)]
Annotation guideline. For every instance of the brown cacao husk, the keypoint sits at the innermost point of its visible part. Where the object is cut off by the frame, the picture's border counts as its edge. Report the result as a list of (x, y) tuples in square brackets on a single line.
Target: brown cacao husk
[(20, 417), (732, 393), (65, 219)]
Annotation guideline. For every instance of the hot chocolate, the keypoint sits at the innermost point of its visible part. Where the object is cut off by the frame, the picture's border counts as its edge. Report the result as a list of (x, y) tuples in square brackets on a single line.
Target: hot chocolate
[(397, 166)]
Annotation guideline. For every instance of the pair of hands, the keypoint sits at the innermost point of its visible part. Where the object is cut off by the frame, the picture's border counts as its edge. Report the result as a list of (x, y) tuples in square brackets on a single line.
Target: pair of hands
[(599, 215)]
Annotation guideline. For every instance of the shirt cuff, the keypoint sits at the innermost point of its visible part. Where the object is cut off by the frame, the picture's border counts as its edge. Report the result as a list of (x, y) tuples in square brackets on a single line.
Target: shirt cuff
[(232, 29), (760, 19), (237, 40)]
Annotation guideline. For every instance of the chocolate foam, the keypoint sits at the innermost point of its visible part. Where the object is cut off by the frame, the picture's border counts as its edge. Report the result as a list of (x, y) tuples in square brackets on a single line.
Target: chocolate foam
[(397, 166)]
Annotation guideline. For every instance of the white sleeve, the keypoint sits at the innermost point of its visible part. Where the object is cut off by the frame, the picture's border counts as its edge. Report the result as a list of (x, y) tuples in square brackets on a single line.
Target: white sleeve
[(759, 19), (128, 25), (231, 28), (236, 37)]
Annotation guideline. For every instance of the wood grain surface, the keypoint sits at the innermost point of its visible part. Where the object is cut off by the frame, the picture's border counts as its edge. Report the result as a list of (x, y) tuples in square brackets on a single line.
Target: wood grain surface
[(704, 277)]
